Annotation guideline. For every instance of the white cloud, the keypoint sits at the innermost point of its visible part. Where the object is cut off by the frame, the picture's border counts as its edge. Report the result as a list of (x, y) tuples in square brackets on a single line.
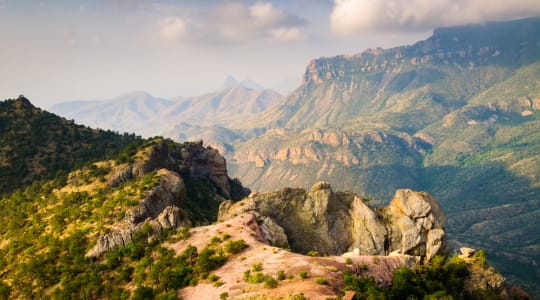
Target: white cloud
[(173, 29), (232, 23), (287, 34), (353, 16), (265, 14)]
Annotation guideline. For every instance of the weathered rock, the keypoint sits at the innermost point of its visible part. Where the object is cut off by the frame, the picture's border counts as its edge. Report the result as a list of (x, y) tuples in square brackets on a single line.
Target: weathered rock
[(416, 224), (172, 217), (160, 208), (467, 252), (111, 241), (120, 174), (206, 163), (334, 222), (368, 232), (273, 233), (152, 158), (170, 191)]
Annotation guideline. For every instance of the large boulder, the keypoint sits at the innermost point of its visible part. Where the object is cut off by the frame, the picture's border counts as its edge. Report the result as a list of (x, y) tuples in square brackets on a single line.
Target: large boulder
[(337, 222), (416, 224)]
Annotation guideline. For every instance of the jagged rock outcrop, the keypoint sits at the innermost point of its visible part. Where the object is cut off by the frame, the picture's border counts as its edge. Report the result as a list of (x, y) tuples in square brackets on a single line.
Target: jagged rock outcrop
[(169, 192), (337, 222), (152, 158), (120, 174), (161, 207), (415, 222), (206, 163)]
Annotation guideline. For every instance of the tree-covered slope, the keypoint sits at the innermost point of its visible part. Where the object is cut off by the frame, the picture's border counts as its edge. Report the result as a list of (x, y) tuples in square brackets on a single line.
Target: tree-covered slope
[(36, 144)]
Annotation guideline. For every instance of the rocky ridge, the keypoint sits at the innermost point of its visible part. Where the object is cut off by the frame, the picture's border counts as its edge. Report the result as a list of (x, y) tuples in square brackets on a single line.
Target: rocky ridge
[(333, 223), (162, 208)]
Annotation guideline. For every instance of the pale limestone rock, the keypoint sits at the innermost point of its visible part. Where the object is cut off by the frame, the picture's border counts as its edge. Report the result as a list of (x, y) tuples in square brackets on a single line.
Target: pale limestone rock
[(273, 233), (467, 252), (368, 233), (435, 242), (334, 222)]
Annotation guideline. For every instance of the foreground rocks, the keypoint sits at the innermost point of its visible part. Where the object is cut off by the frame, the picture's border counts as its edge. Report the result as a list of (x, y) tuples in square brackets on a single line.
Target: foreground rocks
[(333, 223)]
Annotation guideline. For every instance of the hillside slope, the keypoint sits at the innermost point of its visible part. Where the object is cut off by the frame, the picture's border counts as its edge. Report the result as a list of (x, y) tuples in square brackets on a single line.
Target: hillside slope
[(36, 144)]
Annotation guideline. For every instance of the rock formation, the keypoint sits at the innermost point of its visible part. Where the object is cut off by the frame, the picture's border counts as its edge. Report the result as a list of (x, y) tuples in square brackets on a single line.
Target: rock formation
[(337, 222), (162, 206)]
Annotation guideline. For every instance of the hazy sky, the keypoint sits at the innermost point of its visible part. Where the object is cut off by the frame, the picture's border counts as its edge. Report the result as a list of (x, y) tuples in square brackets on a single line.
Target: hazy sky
[(60, 50)]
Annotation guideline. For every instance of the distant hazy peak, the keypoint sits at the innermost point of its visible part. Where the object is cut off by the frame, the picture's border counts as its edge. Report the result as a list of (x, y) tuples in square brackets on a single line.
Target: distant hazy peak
[(230, 81)]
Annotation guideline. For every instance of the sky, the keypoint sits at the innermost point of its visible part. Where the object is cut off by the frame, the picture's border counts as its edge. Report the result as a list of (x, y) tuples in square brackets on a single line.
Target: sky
[(63, 50)]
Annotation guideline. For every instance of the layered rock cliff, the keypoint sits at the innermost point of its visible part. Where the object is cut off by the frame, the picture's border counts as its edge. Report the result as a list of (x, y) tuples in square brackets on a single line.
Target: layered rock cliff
[(337, 222)]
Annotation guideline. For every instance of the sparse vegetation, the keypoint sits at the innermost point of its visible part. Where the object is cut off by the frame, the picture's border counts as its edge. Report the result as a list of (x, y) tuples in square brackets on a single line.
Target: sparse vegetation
[(270, 282), (303, 274), (256, 267)]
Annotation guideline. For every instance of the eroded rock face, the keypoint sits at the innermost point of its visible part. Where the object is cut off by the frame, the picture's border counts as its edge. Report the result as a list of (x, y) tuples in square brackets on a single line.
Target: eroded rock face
[(169, 192), (154, 158), (206, 163), (160, 208), (415, 223), (335, 222)]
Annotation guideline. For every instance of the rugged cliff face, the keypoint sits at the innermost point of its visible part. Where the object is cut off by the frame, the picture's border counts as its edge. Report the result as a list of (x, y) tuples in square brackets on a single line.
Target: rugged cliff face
[(337, 222), (164, 205)]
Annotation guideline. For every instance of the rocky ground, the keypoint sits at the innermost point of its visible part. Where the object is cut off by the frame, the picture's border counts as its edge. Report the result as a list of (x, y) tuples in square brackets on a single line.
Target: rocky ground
[(273, 260)]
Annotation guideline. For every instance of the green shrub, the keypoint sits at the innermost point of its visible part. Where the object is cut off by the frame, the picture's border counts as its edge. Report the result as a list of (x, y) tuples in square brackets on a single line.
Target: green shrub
[(143, 293), (256, 267), (480, 257), (281, 275), (297, 297), (303, 274), (313, 253), (224, 296), (184, 232), (217, 283), (257, 277), (5, 290), (321, 281), (215, 240), (234, 247), (270, 282), (208, 260)]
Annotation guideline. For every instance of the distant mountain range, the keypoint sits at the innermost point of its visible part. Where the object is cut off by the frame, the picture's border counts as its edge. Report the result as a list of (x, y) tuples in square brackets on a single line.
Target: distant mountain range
[(148, 115)]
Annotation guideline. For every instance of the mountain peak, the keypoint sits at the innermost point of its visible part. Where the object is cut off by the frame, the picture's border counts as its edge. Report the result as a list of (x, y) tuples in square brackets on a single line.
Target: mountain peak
[(24, 102), (230, 81)]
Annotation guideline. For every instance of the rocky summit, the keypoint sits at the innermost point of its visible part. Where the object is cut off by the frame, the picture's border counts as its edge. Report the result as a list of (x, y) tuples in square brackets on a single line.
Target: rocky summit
[(333, 223)]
